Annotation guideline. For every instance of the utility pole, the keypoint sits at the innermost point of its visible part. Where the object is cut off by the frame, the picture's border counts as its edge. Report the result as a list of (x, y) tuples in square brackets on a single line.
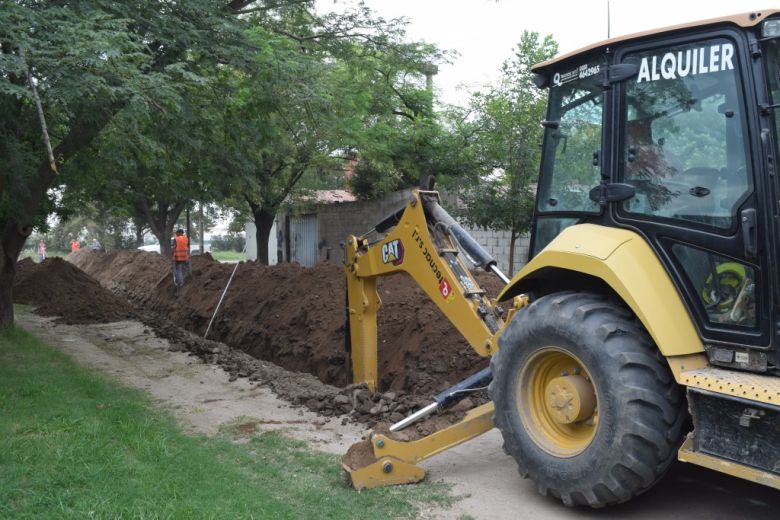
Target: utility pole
[(429, 70), (200, 227)]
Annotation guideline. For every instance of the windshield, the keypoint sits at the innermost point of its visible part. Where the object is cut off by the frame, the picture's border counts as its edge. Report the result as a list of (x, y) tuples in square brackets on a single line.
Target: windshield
[(684, 146), (572, 140)]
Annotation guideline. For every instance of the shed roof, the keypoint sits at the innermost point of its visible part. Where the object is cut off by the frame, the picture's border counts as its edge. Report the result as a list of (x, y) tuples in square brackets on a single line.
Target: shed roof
[(332, 196)]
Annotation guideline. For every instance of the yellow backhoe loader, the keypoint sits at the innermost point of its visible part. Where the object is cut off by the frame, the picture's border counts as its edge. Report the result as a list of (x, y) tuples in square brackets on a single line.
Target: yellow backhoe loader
[(646, 325)]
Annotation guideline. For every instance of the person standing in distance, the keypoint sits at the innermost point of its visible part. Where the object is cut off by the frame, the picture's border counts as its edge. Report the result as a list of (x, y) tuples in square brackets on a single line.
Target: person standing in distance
[(41, 250), (181, 256)]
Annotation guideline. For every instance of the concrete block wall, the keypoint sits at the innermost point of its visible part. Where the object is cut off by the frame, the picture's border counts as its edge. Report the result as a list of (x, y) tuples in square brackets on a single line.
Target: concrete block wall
[(497, 244), (337, 221)]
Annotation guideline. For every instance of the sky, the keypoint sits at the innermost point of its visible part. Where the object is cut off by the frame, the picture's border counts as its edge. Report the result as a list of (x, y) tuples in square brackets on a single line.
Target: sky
[(485, 32)]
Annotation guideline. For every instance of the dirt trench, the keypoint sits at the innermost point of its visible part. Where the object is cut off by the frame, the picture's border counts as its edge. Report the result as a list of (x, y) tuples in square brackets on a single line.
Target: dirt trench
[(292, 317)]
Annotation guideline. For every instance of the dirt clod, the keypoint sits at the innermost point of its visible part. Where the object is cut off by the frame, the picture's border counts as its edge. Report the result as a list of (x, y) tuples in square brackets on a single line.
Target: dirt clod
[(359, 455)]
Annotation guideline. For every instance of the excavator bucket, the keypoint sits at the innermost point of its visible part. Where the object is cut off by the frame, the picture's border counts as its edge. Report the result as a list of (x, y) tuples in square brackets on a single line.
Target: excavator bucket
[(383, 461)]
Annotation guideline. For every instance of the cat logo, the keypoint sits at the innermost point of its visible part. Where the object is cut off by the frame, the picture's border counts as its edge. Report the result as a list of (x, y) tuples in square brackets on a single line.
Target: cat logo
[(393, 252)]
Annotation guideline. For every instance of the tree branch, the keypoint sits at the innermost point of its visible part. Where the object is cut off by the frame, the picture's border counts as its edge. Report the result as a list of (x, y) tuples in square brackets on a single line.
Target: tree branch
[(270, 7), (237, 5), (405, 114), (254, 208), (39, 111)]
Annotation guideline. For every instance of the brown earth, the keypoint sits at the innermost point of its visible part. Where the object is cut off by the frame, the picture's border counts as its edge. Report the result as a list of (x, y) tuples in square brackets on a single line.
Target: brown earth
[(294, 316), (286, 314), (479, 470), (283, 315), (58, 288)]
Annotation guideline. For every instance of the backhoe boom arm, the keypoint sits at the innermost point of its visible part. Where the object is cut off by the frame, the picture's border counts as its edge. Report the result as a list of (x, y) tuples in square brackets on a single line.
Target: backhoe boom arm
[(422, 241)]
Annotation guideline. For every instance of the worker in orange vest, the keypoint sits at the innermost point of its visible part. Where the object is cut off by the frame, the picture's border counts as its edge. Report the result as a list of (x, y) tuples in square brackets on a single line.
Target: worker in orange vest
[(181, 256), (75, 245)]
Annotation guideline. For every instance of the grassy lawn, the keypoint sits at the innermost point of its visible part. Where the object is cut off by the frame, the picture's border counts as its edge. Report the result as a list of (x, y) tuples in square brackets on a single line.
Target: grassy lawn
[(228, 256), (74, 444)]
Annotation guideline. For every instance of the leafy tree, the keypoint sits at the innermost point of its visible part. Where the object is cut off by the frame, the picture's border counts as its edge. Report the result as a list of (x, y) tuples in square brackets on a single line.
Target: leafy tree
[(398, 154), (314, 100), (505, 136), (277, 127), (405, 138), (152, 163), (87, 60), (90, 60)]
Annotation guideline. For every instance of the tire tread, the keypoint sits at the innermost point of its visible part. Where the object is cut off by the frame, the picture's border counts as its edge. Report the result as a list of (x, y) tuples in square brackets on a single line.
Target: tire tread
[(649, 434)]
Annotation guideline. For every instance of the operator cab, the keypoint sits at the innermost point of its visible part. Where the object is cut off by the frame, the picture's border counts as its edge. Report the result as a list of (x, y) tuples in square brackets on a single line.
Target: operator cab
[(673, 134)]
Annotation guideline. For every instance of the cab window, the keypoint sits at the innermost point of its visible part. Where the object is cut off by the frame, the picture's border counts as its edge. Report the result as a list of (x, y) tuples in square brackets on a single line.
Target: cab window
[(684, 135), (572, 140)]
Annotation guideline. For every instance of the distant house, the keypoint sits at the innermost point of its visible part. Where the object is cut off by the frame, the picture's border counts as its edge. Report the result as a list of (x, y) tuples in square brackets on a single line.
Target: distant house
[(316, 233)]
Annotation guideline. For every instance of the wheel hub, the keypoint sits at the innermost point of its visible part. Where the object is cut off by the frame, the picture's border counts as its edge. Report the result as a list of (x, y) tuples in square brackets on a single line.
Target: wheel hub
[(557, 402), (569, 399)]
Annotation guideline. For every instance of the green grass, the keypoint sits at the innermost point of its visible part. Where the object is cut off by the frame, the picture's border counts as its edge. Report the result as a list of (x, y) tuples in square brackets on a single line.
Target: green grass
[(74, 444), (228, 256)]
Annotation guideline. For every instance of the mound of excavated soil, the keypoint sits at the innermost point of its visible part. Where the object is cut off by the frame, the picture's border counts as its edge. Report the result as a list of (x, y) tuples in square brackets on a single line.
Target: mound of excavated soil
[(294, 317), (57, 288)]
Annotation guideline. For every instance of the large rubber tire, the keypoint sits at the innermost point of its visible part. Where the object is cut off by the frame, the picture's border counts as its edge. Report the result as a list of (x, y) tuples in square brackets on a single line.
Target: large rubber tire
[(636, 424)]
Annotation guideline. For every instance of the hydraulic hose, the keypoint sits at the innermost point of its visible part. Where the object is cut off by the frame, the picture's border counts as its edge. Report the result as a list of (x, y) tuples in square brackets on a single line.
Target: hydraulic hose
[(448, 397)]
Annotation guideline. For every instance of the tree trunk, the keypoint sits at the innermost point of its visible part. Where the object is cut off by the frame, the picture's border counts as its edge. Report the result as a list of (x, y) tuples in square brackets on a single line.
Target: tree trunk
[(11, 244), (161, 220), (7, 274), (264, 221), (164, 237), (189, 223), (139, 233), (512, 239)]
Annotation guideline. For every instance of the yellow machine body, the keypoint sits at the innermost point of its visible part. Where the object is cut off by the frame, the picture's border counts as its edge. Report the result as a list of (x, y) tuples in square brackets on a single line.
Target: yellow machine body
[(619, 258), (624, 261)]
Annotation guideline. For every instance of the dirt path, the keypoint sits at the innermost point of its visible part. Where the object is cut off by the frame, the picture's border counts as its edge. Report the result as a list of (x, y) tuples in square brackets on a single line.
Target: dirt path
[(202, 397)]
